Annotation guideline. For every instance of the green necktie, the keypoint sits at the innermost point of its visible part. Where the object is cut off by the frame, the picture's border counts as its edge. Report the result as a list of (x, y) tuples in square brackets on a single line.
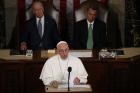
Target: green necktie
[(90, 38)]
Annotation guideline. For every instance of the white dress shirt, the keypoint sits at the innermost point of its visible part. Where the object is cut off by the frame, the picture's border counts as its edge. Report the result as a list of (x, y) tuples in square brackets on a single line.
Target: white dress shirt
[(90, 23)]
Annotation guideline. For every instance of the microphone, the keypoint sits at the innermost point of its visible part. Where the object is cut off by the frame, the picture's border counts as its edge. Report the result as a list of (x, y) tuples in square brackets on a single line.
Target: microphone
[(69, 70)]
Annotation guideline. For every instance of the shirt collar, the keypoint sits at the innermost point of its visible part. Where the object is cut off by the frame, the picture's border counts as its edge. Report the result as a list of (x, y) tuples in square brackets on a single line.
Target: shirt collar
[(90, 22), (42, 18)]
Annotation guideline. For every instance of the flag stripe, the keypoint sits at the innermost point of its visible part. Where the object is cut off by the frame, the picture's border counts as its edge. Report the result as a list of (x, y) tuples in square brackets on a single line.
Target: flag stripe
[(63, 18), (76, 4), (21, 11), (63, 7)]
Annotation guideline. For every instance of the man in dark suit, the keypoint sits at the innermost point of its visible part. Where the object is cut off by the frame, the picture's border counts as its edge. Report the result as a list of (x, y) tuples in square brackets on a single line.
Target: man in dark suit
[(40, 32), (83, 39)]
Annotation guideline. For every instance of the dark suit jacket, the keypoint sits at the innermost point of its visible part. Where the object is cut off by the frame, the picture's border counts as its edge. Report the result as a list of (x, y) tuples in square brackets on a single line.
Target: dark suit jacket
[(31, 36), (81, 34)]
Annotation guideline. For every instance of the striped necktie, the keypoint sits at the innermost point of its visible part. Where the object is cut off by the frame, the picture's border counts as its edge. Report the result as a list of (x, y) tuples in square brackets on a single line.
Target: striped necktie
[(90, 38)]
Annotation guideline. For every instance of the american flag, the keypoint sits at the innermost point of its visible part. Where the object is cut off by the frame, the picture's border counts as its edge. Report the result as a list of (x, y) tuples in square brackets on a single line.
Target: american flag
[(65, 7)]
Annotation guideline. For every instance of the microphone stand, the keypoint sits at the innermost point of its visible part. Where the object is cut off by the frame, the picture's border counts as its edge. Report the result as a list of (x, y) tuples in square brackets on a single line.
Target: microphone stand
[(69, 70), (69, 81)]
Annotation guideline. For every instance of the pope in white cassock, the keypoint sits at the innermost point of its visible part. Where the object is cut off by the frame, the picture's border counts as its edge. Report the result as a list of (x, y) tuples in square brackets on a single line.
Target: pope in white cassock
[(55, 72)]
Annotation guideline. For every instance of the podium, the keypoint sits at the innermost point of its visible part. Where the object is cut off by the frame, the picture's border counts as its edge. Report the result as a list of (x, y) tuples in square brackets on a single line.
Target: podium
[(119, 75), (80, 88)]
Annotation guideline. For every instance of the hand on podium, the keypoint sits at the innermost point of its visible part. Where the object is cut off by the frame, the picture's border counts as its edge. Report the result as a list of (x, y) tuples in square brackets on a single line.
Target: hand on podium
[(76, 81), (54, 84)]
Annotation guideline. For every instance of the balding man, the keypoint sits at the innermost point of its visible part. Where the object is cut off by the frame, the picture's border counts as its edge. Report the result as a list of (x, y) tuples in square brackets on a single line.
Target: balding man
[(90, 32), (40, 32), (55, 71)]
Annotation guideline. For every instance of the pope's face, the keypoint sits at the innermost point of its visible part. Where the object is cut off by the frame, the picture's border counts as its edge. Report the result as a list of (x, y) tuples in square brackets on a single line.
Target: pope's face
[(63, 50)]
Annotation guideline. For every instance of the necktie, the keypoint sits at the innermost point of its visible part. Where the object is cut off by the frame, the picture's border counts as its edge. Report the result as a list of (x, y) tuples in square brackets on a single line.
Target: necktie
[(90, 38), (40, 27)]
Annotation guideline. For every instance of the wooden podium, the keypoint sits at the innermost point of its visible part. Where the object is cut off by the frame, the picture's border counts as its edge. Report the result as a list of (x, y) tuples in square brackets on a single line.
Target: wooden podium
[(20, 73), (73, 89)]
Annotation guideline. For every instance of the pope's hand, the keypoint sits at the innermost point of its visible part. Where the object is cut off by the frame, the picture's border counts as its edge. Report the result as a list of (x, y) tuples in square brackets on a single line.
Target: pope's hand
[(54, 84), (76, 81)]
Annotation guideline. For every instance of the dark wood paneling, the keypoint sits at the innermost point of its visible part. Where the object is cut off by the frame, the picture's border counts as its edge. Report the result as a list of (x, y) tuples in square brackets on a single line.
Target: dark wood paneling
[(105, 76)]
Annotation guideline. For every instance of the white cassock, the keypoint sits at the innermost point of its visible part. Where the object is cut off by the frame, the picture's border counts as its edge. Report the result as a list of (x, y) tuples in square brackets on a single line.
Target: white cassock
[(56, 69)]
